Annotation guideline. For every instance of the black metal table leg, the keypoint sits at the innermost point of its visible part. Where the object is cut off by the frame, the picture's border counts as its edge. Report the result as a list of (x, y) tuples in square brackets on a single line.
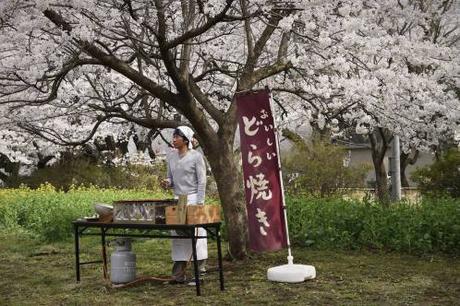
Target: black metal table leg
[(104, 253), (195, 264), (219, 255), (77, 251)]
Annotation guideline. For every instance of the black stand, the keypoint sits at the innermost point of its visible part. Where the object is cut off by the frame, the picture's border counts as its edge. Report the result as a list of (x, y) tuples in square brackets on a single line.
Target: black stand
[(82, 228)]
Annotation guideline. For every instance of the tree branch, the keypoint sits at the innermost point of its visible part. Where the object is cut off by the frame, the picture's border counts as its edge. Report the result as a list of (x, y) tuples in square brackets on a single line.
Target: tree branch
[(200, 30), (215, 113), (132, 74)]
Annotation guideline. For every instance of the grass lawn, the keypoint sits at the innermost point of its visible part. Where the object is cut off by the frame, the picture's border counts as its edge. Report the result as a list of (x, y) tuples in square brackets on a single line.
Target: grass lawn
[(36, 273)]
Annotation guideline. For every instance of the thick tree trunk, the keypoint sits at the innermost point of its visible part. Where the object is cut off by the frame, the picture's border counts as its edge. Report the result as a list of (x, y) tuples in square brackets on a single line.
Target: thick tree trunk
[(10, 174), (407, 159), (381, 181), (226, 172), (379, 143), (404, 180)]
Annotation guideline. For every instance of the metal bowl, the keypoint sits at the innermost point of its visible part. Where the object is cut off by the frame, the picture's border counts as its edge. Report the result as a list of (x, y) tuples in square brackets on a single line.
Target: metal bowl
[(103, 209)]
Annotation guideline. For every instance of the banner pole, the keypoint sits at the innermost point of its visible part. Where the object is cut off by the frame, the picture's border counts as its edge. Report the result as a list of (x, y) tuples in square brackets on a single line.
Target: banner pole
[(290, 258), (290, 273)]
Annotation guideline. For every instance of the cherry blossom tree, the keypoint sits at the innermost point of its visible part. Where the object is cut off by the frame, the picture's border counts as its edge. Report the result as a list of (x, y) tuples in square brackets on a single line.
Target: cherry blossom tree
[(381, 68), (74, 70)]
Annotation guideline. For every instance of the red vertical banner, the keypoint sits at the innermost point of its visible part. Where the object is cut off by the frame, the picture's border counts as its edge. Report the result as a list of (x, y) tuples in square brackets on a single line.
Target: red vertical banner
[(261, 173)]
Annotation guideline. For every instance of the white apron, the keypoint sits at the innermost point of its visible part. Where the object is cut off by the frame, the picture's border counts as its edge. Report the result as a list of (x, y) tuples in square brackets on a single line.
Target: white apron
[(181, 249)]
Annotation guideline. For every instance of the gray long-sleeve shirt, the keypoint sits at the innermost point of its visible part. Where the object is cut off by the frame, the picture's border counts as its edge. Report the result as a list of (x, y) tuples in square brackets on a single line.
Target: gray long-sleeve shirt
[(187, 174)]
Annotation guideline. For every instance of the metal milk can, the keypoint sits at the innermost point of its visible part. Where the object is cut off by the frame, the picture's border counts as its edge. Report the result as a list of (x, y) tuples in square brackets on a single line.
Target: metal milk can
[(122, 262)]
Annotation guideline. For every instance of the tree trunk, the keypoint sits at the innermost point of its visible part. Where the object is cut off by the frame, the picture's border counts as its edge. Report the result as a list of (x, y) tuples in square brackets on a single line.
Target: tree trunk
[(381, 181), (407, 159), (404, 180), (229, 184), (10, 176), (379, 140)]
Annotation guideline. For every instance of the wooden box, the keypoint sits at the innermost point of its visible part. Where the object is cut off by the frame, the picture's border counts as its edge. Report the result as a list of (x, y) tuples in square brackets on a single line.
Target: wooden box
[(141, 211), (196, 214)]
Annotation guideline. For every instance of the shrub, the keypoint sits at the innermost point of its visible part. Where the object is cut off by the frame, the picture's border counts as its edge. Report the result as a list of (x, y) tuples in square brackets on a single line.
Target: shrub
[(319, 169), (83, 172), (442, 177), (48, 212), (429, 226), (324, 223)]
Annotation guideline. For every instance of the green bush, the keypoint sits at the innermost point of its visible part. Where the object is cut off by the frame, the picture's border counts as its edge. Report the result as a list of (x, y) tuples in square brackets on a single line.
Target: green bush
[(324, 223), (442, 177), (47, 212), (429, 226), (83, 172), (319, 169)]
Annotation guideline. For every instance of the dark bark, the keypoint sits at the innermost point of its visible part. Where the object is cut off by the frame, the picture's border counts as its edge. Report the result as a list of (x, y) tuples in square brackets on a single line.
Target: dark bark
[(407, 159), (404, 179), (43, 161), (10, 173), (379, 140), (381, 181), (228, 180), (218, 148)]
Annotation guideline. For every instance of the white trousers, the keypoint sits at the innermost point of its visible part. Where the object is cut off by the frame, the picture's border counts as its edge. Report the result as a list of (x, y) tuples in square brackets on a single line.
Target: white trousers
[(181, 249)]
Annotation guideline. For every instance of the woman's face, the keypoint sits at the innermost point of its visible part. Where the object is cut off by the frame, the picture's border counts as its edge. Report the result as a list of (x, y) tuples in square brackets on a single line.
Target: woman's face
[(178, 142)]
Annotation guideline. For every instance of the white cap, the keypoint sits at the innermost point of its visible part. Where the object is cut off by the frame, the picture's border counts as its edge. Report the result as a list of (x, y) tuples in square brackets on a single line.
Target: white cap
[(188, 133)]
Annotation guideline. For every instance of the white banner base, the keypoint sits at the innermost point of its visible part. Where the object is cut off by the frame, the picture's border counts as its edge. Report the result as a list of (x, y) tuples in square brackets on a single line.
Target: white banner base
[(291, 273)]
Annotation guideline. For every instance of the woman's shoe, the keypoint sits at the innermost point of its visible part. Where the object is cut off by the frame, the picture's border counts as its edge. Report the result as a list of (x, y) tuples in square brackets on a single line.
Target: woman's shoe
[(192, 282)]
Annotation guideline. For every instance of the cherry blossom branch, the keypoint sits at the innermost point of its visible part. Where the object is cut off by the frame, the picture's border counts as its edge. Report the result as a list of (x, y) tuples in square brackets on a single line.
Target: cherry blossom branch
[(200, 30)]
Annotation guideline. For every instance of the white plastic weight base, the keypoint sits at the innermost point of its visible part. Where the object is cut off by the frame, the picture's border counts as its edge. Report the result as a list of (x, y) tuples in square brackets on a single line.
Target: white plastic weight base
[(291, 273)]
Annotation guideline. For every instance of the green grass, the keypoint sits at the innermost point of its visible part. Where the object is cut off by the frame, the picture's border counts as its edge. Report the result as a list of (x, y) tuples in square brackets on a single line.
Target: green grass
[(34, 273)]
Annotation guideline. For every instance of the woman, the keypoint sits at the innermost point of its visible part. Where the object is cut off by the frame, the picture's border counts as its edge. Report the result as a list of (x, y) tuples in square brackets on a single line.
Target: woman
[(187, 176)]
